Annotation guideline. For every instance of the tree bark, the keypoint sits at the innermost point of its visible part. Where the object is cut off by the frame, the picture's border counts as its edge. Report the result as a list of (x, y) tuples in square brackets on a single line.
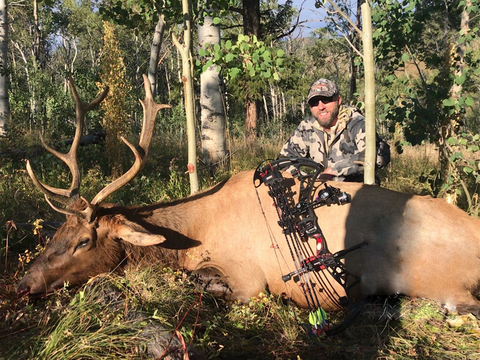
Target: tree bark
[(250, 107), (370, 152), (265, 107), (36, 51), (155, 53), (355, 40), (4, 101), (251, 26), (251, 17), (211, 101), (450, 129), (185, 51)]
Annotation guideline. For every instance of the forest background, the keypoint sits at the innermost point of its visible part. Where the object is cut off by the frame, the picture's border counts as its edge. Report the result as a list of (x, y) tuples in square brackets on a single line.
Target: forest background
[(426, 57), (426, 77)]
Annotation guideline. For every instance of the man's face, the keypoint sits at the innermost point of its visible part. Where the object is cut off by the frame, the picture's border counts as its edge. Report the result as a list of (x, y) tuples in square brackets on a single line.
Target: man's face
[(325, 110)]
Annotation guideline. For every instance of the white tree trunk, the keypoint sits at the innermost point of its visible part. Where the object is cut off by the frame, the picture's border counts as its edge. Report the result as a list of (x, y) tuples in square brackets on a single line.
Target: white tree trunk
[(211, 101), (274, 102), (155, 53), (370, 151), (265, 106), (185, 51), (4, 104)]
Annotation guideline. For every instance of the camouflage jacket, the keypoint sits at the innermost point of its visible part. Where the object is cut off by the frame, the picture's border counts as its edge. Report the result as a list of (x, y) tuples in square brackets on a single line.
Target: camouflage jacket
[(338, 148)]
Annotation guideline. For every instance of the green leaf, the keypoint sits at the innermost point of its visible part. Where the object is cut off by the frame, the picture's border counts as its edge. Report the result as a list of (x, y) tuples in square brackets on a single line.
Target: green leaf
[(391, 78), (456, 155), (452, 141), (230, 57), (410, 6), (405, 57), (202, 52), (469, 101), (216, 20), (234, 72), (448, 102), (266, 55), (244, 47), (460, 79)]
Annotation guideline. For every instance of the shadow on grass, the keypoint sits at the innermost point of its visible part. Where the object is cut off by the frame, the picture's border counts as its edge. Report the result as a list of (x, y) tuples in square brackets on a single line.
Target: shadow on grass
[(387, 328)]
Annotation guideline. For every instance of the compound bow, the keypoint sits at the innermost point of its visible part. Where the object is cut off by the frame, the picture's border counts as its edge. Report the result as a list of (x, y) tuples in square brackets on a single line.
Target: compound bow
[(299, 223)]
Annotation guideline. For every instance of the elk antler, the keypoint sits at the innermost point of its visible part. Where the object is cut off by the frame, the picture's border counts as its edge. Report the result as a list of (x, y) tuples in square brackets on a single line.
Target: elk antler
[(150, 110), (64, 196)]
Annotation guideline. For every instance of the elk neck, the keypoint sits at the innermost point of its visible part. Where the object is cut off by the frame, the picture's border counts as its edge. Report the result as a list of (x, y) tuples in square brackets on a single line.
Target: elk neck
[(182, 222)]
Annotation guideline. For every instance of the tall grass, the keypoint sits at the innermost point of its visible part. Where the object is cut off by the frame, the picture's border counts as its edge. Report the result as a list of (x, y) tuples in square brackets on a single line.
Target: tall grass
[(408, 172), (135, 316)]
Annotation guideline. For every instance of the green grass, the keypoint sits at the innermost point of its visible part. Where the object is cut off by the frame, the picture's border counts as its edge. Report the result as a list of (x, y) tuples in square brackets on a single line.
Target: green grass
[(112, 318), (115, 317), (408, 172)]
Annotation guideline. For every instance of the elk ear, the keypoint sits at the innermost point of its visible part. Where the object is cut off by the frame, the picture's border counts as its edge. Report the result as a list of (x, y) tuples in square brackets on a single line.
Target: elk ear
[(136, 237)]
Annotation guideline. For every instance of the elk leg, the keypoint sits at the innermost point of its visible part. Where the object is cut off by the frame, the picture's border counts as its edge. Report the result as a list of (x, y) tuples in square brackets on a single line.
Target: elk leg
[(472, 308), (213, 282)]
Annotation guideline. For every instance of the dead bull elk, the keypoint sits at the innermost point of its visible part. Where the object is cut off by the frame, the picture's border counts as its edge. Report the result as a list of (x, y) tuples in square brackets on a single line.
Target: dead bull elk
[(417, 246)]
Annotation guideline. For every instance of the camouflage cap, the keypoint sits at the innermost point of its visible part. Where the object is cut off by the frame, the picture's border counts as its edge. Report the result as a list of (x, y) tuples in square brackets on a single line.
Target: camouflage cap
[(322, 87)]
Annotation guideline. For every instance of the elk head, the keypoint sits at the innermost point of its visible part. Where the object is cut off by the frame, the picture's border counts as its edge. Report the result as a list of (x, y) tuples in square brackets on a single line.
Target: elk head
[(87, 243)]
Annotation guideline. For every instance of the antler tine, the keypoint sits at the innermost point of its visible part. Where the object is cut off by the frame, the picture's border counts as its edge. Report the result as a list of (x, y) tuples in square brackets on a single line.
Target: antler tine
[(87, 213), (150, 110), (81, 110), (59, 195), (64, 196), (122, 180)]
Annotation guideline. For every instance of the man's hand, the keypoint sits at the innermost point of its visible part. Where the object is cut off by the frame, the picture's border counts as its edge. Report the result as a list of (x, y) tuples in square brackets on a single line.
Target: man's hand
[(328, 171), (327, 174)]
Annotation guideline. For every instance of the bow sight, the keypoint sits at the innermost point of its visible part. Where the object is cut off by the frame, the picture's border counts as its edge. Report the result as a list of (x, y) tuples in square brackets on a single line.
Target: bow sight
[(299, 222)]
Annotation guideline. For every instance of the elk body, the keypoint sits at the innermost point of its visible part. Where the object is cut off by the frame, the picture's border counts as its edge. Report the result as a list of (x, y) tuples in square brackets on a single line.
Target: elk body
[(417, 246)]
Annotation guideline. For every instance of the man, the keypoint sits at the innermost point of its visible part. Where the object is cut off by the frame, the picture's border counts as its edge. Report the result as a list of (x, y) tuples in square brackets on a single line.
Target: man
[(334, 136)]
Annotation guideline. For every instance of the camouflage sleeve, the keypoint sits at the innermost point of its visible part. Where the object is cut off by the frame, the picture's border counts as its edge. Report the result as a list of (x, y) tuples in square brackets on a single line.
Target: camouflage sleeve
[(349, 152), (297, 145)]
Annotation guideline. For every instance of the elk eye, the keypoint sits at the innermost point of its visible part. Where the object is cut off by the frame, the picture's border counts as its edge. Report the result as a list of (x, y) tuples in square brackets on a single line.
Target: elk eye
[(82, 243)]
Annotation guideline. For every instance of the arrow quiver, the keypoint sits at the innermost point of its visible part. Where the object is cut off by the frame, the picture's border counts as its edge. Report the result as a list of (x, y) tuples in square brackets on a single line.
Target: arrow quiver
[(299, 222)]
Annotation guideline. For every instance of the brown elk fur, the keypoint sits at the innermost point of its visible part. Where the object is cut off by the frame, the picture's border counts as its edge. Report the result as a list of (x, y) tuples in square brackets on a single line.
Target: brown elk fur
[(418, 246)]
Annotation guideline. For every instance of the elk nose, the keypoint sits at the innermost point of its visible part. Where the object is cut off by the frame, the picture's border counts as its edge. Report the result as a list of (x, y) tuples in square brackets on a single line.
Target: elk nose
[(22, 289)]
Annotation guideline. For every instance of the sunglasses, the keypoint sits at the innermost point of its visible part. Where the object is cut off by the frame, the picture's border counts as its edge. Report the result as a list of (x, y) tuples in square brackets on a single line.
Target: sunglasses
[(324, 100)]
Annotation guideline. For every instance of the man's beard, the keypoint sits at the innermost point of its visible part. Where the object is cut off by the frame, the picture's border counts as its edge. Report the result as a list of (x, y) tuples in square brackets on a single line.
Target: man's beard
[(328, 123)]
